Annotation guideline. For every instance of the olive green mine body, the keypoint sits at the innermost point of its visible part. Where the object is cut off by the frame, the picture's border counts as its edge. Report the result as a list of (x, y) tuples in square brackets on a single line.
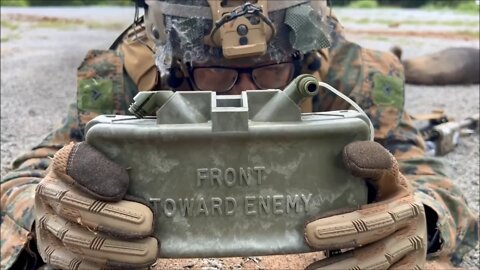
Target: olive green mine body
[(233, 175)]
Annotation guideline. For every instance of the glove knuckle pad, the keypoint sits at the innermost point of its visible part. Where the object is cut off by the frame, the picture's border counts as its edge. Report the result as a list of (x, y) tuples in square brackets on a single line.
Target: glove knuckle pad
[(97, 174), (361, 227), (95, 246), (366, 159)]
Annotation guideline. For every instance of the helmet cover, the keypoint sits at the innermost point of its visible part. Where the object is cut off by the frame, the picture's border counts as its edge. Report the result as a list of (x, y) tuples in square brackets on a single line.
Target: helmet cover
[(179, 29)]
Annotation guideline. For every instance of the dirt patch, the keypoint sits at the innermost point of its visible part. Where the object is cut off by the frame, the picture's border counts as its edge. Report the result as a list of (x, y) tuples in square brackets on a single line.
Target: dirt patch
[(460, 35), (59, 22), (39, 18), (291, 261)]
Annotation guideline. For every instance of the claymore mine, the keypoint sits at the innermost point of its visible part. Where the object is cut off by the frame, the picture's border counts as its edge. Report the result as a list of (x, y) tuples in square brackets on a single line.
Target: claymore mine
[(234, 175)]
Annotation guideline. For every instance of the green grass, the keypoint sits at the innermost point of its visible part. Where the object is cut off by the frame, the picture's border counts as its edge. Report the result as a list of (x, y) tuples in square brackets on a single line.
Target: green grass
[(13, 3), (364, 4), (471, 34), (8, 24), (9, 37), (25, 3), (469, 7)]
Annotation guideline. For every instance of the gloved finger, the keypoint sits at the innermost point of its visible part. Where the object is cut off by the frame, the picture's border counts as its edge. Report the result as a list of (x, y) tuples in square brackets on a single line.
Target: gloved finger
[(83, 166), (95, 247), (414, 260), (405, 249), (369, 224), (372, 162), (54, 254), (380, 255), (50, 248), (124, 219)]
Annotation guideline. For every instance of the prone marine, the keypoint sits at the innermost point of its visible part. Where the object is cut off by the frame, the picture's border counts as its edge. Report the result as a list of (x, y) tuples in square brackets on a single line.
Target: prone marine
[(55, 201)]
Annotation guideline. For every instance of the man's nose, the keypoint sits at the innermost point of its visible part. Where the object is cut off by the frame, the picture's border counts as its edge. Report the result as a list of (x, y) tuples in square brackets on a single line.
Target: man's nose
[(244, 82)]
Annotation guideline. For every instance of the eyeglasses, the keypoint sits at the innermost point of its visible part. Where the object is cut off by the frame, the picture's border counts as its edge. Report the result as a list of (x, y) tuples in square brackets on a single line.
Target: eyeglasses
[(222, 79)]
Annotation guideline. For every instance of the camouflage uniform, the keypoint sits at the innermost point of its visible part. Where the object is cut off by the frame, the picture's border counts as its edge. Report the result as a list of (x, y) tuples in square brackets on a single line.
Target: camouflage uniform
[(108, 80)]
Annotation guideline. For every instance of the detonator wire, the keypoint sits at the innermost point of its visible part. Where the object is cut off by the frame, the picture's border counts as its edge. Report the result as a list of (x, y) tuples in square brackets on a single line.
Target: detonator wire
[(352, 103)]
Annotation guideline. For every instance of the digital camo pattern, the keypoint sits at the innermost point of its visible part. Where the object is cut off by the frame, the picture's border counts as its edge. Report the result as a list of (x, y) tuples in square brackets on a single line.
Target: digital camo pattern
[(100, 86), (17, 197), (100, 91), (373, 79)]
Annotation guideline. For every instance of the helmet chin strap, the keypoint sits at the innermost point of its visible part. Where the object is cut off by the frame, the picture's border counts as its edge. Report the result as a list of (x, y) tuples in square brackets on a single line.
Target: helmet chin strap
[(137, 21)]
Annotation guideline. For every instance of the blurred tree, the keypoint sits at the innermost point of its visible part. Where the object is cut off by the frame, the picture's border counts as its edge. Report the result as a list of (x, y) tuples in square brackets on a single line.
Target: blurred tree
[(14, 3), (364, 4), (74, 2), (340, 3), (405, 3), (55, 3), (398, 3)]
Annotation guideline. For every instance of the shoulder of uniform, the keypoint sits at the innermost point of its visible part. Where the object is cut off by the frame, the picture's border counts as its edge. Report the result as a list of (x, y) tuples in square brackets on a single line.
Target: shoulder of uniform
[(139, 57)]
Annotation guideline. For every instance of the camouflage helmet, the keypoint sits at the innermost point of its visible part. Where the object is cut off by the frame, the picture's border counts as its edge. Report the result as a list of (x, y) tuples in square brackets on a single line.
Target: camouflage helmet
[(202, 30)]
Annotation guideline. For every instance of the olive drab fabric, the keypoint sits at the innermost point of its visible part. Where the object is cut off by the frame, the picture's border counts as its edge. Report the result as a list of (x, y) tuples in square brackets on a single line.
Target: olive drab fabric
[(373, 79)]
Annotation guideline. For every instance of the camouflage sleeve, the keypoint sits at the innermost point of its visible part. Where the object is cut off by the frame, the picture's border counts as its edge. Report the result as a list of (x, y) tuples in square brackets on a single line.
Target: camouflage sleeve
[(102, 88), (17, 190), (375, 81)]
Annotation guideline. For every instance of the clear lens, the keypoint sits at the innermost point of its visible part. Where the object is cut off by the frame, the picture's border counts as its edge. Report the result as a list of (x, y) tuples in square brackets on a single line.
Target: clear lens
[(273, 76), (214, 79), (219, 79)]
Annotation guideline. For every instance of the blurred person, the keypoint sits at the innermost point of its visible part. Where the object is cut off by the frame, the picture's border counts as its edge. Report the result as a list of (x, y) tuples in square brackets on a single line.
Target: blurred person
[(176, 46)]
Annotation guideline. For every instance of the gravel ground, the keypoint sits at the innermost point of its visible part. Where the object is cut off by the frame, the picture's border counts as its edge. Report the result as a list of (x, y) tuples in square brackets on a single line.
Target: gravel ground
[(38, 65)]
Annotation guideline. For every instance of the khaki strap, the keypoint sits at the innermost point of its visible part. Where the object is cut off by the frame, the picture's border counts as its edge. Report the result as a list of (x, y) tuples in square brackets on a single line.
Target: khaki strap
[(139, 62)]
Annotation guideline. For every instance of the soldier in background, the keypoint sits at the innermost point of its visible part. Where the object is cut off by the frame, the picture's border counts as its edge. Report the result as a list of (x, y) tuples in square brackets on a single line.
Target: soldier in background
[(169, 51)]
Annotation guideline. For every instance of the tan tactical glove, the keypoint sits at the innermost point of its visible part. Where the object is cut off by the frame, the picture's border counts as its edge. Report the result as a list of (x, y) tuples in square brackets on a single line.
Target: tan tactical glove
[(390, 233), (81, 221)]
